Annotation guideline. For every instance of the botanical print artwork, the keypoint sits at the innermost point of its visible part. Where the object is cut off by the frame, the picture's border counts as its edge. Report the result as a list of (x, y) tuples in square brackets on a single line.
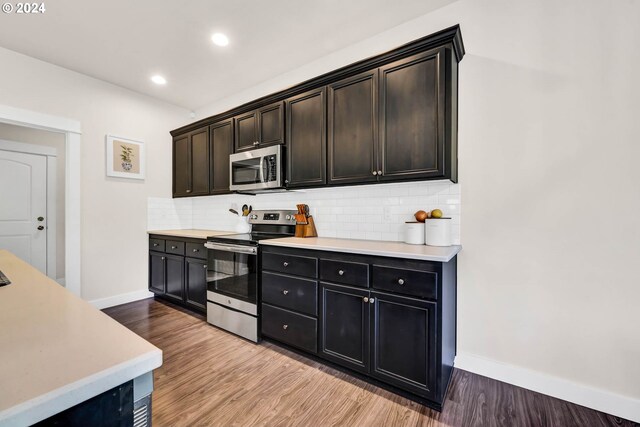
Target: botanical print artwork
[(126, 157)]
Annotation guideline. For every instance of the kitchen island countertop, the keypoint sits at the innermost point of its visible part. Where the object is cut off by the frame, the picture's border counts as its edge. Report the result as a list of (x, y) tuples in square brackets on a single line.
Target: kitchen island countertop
[(58, 350), (369, 247)]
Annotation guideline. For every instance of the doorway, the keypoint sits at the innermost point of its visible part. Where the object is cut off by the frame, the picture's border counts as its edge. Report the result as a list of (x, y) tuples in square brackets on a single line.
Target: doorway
[(70, 131)]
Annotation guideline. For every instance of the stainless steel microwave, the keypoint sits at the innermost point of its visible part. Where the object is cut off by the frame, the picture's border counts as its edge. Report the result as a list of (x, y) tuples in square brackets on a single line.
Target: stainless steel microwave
[(257, 170)]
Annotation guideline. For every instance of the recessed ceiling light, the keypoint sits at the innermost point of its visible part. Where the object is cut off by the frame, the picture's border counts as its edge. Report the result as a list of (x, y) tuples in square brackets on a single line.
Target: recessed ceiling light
[(220, 39), (159, 80)]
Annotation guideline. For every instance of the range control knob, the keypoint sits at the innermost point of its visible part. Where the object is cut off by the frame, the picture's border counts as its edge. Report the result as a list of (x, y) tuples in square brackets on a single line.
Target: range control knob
[(254, 216), (288, 217)]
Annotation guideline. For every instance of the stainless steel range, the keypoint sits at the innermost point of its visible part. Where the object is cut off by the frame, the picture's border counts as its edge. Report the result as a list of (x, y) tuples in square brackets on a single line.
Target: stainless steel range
[(233, 275)]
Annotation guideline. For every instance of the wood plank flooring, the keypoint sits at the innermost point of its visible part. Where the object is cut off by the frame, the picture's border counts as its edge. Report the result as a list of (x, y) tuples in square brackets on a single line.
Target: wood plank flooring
[(212, 378)]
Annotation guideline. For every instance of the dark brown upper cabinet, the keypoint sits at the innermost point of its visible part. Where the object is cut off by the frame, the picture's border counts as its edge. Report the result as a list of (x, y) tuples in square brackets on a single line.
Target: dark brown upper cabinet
[(260, 128), (306, 136), (390, 117), (191, 164), (412, 117), (221, 147), (353, 129)]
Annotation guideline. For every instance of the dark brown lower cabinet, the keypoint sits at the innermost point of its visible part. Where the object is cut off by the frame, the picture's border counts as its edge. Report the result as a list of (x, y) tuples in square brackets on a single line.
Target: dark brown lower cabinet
[(403, 342), (344, 325), (195, 275), (174, 271), (176, 277), (156, 273), (390, 321)]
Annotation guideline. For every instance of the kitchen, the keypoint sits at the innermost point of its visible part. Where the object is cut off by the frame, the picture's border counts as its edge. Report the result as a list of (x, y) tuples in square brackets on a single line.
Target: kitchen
[(503, 307)]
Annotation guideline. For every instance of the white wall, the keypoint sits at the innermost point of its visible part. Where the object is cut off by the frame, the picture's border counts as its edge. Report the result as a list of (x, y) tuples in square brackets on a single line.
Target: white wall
[(57, 141), (370, 212), (548, 134), (114, 241)]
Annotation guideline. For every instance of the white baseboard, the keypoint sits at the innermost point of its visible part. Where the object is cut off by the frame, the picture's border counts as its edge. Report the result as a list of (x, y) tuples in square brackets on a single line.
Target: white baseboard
[(120, 299), (601, 400), (62, 281)]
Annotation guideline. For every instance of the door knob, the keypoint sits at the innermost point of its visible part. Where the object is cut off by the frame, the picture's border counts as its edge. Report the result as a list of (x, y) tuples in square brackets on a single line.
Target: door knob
[(40, 227), (40, 218)]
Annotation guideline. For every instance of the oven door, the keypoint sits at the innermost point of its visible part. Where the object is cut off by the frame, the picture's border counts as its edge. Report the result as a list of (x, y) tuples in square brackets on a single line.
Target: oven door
[(256, 169), (232, 271)]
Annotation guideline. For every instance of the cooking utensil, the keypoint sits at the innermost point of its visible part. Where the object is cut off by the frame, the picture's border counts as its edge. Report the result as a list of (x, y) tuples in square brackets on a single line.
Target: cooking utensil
[(306, 210), (245, 210), (233, 211), (250, 208)]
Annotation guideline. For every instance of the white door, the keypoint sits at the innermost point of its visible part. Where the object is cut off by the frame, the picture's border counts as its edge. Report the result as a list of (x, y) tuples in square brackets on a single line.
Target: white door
[(23, 206)]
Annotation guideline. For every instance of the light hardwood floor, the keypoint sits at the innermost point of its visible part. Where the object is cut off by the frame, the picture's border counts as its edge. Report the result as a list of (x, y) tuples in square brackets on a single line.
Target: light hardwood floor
[(212, 378)]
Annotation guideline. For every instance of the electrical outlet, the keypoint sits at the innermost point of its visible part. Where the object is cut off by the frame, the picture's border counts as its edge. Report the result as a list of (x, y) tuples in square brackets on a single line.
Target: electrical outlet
[(387, 214)]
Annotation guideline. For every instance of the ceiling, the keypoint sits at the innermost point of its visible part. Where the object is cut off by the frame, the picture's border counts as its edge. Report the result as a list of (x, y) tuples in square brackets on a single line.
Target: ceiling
[(126, 42)]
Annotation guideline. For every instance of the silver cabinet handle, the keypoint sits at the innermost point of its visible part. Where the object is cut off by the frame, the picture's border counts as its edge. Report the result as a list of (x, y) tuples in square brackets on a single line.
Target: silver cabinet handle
[(375, 172), (371, 300), (400, 281), (285, 292), (365, 299), (256, 143), (285, 264), (174, 247), (162, 258), (285, 327), (379, 172), (204, 266), (196, 250), (189, 191), (155, 244), (341, 272)]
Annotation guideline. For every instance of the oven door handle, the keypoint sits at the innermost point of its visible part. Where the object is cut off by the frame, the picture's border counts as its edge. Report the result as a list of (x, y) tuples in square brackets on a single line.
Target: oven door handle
[(249, 250)]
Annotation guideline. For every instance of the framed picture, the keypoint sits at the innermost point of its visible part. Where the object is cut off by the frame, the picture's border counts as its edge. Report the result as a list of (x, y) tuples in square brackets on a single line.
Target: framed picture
[(125, 157)]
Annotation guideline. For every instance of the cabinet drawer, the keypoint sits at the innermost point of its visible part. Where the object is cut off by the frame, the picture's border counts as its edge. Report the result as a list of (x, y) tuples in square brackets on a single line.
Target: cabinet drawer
[(196, 250), (290, 264), (174, 247), (156, 245), (409, 282), (290, 328), (290, 292), (349, 273)]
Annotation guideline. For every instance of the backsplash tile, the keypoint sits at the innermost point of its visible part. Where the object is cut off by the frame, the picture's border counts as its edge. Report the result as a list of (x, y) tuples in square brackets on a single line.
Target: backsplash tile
[(371, 212)]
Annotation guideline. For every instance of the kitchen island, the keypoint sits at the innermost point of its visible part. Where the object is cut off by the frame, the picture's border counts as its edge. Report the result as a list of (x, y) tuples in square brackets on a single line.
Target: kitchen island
[(57, 351)]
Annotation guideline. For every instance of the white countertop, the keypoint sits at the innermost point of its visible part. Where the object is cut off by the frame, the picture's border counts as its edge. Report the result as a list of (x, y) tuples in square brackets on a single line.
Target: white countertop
[(57, 350), (369, 247), (192, 233)]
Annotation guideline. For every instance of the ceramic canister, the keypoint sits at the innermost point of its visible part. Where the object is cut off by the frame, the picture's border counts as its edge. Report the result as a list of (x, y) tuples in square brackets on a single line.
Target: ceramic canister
[(438, 232), (414, 233)]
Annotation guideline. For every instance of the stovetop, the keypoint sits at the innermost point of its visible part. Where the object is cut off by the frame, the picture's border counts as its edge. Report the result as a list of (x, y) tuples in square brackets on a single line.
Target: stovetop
[(267, 224)]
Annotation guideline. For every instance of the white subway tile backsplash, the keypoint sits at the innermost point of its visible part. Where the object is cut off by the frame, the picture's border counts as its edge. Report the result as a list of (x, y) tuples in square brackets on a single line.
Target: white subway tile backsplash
[(373, 212)]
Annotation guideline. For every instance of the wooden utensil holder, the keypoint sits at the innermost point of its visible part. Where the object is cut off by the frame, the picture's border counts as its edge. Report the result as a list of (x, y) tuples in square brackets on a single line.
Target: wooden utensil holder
[(307, 230)]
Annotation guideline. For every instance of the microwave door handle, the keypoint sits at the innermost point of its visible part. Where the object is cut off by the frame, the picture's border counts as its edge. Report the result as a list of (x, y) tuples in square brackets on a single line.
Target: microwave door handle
[(262, 178)]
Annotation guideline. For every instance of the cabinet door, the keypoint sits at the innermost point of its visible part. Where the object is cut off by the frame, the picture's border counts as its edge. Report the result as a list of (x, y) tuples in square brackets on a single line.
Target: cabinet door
[(246, 131), (221, 146), (271, 124), (306, 137), (156, 273), (199, 141), (344, 326), (195, 271), (412, 117), (181, 167), (174, 271), (403, 340), (353, 133)]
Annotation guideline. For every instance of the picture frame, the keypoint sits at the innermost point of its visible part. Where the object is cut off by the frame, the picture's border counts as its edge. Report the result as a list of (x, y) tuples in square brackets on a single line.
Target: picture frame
[(125, 157)]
